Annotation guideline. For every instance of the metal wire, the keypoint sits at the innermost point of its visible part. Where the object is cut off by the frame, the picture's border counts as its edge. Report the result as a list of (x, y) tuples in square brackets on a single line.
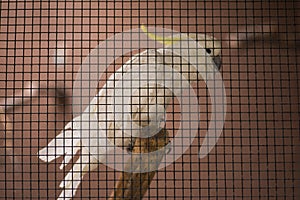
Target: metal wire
[(257, 156)]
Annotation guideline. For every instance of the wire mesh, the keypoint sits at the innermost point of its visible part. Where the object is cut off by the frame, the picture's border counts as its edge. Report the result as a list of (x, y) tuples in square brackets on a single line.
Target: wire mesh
[(257, 155)]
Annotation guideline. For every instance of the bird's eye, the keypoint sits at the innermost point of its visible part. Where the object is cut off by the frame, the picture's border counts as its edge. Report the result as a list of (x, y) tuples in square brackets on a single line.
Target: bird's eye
[(208, 50)]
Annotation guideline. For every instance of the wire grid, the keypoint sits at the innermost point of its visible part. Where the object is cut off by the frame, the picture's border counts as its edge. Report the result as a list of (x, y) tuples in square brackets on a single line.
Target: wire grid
[(257, 156)]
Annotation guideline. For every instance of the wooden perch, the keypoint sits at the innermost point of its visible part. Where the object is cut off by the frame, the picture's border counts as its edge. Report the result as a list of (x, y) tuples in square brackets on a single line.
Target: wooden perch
[(134, 185)]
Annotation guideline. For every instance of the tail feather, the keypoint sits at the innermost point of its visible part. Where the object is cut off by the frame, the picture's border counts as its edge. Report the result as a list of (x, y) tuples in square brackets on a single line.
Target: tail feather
[(72, 180), (67, 142)]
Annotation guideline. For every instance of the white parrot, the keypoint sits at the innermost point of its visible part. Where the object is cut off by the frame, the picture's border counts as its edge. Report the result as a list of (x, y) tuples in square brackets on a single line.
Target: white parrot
[(68, 142)]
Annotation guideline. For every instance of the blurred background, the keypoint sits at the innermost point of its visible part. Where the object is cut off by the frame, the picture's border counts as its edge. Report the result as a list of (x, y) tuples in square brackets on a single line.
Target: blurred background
[(257, 156)]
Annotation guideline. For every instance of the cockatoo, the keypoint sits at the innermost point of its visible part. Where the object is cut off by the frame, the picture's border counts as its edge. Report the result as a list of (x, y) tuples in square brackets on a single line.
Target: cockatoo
[(68, 142)]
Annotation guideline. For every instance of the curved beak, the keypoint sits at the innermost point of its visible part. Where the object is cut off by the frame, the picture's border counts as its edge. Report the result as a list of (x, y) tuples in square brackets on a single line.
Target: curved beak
[(217, 60)]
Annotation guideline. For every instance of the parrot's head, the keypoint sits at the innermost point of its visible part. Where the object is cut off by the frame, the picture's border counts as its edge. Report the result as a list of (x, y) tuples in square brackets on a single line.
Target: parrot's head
[(209, 43)]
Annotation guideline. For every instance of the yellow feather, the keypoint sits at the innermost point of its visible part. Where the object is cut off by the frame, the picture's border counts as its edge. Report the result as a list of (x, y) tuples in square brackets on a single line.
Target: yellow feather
[(164, 40)]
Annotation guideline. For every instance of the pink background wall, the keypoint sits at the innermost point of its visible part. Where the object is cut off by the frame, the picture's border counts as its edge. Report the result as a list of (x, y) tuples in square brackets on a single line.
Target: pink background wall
[(257, 154)]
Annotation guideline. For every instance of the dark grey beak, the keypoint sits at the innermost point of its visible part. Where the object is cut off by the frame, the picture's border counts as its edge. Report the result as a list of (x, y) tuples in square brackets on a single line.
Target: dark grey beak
[(217, 60)]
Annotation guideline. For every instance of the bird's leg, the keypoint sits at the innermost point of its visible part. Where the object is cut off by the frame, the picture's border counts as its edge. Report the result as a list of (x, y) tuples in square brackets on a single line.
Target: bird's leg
[(130, 145)]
